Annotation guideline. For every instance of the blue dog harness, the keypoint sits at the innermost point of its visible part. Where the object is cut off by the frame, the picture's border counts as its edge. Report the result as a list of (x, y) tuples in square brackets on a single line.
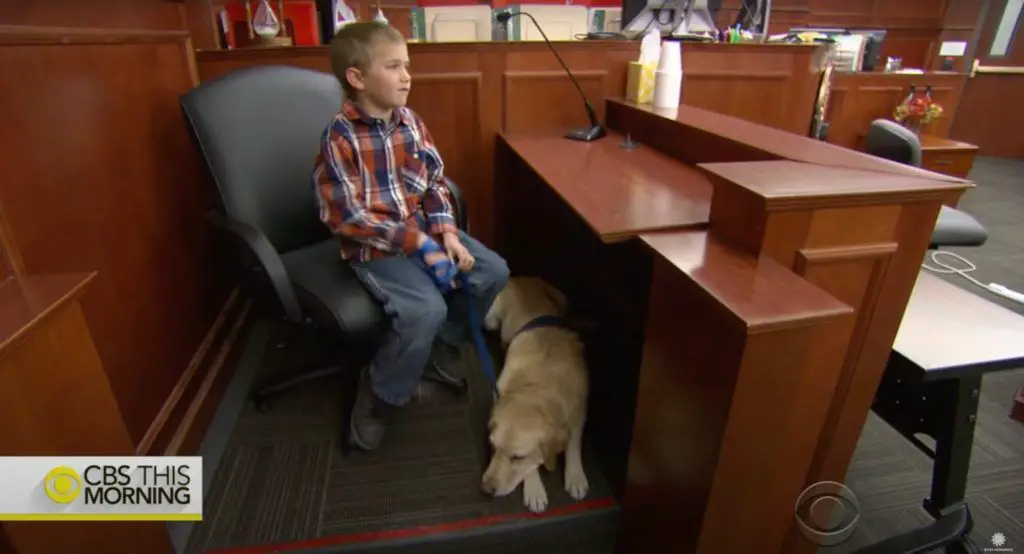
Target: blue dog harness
[(542, 321)]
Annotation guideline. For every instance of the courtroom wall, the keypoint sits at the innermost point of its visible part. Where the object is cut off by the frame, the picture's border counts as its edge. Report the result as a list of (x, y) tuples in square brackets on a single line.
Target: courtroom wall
[(100, 175)]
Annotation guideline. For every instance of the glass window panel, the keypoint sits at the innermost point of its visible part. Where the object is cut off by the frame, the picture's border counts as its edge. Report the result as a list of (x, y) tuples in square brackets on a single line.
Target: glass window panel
[(1007, 25)]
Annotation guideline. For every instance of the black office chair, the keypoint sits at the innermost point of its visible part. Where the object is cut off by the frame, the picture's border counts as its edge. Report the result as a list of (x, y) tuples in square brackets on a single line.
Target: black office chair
[(892, 141), (259, 130)]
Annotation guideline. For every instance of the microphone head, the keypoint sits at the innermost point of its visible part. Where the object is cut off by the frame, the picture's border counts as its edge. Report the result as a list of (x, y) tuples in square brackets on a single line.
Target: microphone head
[(504, 16)]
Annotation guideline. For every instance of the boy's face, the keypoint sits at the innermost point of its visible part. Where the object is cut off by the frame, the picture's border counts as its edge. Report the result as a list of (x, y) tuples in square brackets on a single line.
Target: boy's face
[(385, 84)]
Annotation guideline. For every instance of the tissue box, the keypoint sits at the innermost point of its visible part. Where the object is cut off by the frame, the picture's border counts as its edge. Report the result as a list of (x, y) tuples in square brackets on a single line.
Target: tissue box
[(640, 83)]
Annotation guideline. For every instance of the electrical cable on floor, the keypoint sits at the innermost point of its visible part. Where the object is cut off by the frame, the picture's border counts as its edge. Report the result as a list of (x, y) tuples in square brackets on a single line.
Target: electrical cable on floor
[(946, 269)]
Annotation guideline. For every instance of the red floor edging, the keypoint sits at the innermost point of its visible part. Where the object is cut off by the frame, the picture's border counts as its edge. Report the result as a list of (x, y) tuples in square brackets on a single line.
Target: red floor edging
[(413, 532)]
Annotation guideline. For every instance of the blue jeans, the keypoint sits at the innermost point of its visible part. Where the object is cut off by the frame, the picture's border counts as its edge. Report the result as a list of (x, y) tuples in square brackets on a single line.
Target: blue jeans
[(420, 313)]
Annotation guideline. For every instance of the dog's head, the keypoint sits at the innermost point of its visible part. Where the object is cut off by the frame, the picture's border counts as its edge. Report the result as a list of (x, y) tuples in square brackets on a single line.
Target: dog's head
[(523, 299), (523, 434)]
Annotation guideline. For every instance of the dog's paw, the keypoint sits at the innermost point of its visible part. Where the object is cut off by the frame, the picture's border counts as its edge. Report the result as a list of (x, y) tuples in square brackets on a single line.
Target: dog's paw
[(535, 498), (576, 484)]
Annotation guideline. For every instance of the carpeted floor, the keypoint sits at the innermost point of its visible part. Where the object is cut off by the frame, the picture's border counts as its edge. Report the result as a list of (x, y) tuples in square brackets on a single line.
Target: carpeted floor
[(890, 476), (285, 478)]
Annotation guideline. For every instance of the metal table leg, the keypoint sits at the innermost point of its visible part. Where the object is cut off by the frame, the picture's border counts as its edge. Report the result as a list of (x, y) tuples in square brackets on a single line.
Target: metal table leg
[(947, 411)]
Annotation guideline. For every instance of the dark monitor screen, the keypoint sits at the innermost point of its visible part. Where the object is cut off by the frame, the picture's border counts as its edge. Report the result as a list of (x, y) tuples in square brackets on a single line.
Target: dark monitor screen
[(872, 47), (633, 8)]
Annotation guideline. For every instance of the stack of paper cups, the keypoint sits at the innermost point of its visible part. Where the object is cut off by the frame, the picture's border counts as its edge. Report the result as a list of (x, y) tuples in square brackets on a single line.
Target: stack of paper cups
[(668, 79)]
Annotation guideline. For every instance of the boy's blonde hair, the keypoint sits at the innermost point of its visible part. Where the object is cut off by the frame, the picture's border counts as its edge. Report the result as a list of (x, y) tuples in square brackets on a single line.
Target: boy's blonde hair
[(352, 46)]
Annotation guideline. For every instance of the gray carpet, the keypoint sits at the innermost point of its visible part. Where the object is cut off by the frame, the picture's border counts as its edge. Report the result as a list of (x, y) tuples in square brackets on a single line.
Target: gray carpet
[(889, 475), (284, 479)]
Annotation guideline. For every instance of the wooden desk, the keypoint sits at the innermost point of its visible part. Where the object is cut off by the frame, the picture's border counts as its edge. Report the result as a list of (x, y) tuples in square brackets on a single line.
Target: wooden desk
[(55, 400), (738, 355), (948, 340), (947, 156)]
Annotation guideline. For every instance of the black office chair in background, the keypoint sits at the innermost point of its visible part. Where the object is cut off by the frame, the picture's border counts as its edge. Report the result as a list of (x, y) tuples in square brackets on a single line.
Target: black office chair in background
[(259, 130), (892, 141)]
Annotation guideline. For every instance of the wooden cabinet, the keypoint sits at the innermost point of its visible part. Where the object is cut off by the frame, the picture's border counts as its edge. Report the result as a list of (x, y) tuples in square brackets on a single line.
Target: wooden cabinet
[(947, 156)]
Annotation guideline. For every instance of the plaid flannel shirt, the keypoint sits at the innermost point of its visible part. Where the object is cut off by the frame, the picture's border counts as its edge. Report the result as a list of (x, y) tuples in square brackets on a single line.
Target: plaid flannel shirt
[(380, 184)]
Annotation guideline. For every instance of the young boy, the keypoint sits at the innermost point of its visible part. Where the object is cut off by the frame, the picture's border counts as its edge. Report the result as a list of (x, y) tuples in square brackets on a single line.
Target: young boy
[(381, 189)]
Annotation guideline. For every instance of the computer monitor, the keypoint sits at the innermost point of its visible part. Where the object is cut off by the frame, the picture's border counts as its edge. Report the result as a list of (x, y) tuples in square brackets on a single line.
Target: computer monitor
[(754, 15), (872, 47), (670, 16)]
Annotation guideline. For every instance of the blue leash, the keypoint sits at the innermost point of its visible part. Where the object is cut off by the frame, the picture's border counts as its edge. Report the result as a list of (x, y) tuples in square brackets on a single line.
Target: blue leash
[(476, 329), (443, 274)]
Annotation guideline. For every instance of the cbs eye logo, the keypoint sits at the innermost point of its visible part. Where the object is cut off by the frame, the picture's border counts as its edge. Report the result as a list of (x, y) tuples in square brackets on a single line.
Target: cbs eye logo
[(827, 513), (62, 484)]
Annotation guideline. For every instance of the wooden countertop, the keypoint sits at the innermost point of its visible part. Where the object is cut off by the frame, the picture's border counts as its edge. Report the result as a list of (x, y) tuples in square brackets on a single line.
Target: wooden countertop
[(789, 184), (761, 293), (766, 143), (617, 192)]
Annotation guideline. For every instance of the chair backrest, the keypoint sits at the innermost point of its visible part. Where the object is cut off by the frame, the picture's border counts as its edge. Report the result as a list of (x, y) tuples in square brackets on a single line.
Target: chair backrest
[(259, 129), (894, 142)]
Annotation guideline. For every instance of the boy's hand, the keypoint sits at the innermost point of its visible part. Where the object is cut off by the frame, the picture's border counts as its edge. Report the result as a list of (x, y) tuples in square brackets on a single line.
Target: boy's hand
[(458, 252), (436, 260)]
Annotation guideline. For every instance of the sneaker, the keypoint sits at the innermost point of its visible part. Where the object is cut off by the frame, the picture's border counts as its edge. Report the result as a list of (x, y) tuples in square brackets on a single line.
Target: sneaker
[(369, 417), (446, 365)]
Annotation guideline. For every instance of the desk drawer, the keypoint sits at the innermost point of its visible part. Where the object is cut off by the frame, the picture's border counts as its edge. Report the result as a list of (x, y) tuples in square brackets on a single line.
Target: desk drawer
[(956, 164)]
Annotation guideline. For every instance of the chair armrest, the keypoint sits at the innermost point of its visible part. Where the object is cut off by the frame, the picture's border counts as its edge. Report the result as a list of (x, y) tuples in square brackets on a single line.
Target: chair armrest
[(270, 262), (461, 215)]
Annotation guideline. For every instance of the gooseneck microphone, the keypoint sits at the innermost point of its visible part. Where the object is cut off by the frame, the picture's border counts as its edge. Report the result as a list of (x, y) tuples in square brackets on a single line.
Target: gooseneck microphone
[(586, 134)]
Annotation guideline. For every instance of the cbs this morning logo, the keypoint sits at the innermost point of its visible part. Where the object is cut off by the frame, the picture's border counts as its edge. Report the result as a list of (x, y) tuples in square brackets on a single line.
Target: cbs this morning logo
[(120, 485), (827, 513)]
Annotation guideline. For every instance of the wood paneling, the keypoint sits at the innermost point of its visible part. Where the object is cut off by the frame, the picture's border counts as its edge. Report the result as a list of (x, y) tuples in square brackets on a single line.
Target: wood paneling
[(102, 177), (469, 92), (153, 15), (55, 399), (990, 98), (740, 79), (201, 20), (857, 99), (989, 105)]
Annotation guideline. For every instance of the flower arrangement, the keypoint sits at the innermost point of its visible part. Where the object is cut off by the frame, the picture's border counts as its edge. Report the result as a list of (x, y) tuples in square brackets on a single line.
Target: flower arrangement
[(917, 109)]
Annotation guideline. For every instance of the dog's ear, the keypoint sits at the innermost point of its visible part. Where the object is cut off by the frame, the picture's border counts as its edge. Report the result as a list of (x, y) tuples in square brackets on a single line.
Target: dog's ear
[(553, 445)]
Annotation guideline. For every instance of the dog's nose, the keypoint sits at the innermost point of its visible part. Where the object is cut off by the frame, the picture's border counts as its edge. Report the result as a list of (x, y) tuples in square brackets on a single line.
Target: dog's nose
[(487, 487)]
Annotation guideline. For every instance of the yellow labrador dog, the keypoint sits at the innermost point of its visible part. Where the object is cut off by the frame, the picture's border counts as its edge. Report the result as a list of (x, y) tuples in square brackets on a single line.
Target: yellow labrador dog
[(542, 394)]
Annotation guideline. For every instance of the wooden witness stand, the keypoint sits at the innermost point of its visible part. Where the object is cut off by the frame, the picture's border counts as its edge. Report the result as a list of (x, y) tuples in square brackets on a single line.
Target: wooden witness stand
[(753, 324), (56, 400)]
